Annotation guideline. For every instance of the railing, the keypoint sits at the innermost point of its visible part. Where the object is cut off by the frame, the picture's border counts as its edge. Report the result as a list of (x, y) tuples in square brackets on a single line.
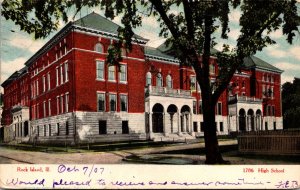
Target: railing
[(270, 142), (236, 98), (164, 91)]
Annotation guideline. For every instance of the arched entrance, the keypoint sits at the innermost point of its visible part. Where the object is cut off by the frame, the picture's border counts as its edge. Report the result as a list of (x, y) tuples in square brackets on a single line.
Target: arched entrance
[(25, 128), (258, 120), (172, 109), (250, 117), (185, 118), (242, 120), (157, 118)]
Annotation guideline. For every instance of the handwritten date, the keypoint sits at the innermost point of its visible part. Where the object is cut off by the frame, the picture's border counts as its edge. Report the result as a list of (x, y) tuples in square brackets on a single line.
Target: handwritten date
[(86, 170)]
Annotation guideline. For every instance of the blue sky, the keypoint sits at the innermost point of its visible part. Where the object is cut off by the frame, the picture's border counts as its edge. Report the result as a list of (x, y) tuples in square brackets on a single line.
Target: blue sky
[(17, 47)]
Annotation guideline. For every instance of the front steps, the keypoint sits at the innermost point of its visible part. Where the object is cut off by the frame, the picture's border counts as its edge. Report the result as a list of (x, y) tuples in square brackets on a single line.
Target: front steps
[(172, 137)]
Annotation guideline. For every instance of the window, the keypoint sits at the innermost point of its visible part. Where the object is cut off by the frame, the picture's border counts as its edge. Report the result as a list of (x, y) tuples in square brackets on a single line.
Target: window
[(192, 82), (44, 83), (66, 72), (67, 128), (44, 108), (37, 87), (159, 81), (37, 111), (274, 125), (99, 48), (125, 128), (49, 130), (219, 108), (123, 105), (61, 75), (49, 107), (67, 102), (273, 110), (45, 130), (48, 80), (111, 73), (57, 104), (243, 83), (194, 107), (38, 130), (101, 101), (57, 129), (148, 79), (221, 127), (112, 102), (200, 107), (100, 70), (102, 127), (123, 52), (62, 104), (57, 76), (169, 81), (195, 125), (123, 73), (266, 125), (212, 69)]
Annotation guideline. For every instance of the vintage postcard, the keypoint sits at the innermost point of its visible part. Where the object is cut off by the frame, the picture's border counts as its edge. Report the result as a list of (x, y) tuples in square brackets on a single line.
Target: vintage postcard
[(150, 94)]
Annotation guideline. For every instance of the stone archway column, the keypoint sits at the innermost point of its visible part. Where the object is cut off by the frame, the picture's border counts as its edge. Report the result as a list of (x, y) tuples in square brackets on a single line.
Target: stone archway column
[(164, 124), (254, 122), (178, 123), (150, 125), (184, 122), (191, 123), (247, 123)]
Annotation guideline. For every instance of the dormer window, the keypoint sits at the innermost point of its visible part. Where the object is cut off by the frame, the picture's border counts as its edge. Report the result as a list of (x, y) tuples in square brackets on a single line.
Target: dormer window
[(99, 48)]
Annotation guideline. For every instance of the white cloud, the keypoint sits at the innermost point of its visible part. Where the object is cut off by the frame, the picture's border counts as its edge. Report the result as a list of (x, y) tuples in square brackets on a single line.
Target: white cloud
[(287, 66), (277, 34), (234, 16), (9, 67), (26, 43), (276, 53), (295, 51), (234, 33), (286, 78)]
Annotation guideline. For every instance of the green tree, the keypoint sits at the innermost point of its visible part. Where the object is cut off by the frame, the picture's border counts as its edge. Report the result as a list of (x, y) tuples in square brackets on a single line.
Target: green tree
[(291, 104), (189, 31)]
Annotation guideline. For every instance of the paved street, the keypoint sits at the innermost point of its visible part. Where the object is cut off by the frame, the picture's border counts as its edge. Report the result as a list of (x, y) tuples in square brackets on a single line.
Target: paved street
[(9, 156)]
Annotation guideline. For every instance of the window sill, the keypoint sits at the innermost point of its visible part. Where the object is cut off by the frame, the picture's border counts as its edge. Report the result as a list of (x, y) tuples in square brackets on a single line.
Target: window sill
[(123, 82), (101, 80), (113, 81)]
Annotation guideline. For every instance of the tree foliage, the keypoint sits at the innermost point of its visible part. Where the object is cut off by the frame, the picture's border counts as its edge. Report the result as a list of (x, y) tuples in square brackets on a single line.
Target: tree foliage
[(291, 104), (189, 30)]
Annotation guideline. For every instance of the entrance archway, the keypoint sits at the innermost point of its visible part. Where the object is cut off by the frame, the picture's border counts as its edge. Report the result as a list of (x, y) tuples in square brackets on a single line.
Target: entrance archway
[(157, 118), (185, 115), (250, 115), (25, 128), (172, 109), (242, 120), (258, 120)]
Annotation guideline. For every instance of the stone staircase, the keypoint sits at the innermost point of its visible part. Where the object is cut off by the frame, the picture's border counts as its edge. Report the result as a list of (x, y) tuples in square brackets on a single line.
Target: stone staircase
[(173, 137)]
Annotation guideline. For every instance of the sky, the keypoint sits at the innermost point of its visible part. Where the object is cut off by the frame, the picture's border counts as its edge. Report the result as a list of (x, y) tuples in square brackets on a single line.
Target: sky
[(17, 46)]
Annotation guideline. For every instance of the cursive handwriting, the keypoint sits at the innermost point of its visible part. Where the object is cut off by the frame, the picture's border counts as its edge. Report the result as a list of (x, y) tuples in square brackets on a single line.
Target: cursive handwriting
[(63, 182), (16, 181), (86, 170)]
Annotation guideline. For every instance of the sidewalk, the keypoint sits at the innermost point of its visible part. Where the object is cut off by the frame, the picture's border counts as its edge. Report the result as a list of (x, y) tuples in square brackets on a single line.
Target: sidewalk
[(112, 157)]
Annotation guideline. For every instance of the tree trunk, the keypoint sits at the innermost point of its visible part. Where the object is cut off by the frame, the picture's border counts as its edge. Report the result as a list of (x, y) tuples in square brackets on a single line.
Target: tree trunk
[(213, 155)]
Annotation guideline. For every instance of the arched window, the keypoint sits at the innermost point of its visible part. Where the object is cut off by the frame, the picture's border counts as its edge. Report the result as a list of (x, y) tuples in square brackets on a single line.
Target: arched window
[(159, 80), (148, 79), (169, 81), (99, 48)]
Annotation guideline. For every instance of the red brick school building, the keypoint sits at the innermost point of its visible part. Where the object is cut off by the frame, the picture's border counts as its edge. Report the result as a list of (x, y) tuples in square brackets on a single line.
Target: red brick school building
[(68, 92)]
